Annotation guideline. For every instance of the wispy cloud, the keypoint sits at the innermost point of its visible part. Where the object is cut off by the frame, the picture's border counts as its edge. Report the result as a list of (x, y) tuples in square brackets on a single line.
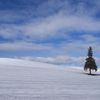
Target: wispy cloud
[(51, 26), (35, 24), (59, 60), (23, 46)]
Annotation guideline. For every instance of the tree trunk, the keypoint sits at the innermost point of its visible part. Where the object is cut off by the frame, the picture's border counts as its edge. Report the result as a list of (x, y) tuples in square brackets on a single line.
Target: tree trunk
[(90, 71)]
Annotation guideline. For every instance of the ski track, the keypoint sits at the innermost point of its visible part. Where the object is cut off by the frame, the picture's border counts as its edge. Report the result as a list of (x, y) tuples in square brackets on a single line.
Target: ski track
[(27, 80)]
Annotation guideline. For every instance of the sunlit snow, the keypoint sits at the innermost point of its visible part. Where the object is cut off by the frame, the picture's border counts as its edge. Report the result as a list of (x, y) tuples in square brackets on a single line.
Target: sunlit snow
[(28, 80)]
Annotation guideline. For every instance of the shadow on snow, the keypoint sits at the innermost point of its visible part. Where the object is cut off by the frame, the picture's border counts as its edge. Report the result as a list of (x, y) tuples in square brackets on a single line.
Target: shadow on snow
[(92, 74)]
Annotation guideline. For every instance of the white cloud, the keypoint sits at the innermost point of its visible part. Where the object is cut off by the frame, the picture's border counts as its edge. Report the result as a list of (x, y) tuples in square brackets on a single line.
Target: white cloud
[(23, 46), (49, 24), (66, 18), (74, 47), (60, 60), (90, 38)]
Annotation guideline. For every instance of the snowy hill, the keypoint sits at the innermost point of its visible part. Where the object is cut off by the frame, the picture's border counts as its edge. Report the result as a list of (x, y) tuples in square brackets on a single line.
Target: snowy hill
[(28, 80)]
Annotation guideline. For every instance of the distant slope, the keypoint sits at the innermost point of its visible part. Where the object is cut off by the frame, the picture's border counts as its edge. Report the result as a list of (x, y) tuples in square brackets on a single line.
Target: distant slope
[(25, 63), (33, 64), (28, 80)]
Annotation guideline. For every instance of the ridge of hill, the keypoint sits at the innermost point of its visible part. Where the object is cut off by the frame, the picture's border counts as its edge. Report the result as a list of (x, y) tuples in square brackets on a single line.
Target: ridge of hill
[(29, 80)]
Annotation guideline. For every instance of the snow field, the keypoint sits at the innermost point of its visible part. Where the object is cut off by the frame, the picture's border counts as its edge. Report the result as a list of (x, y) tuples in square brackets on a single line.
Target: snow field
[(28, 80)]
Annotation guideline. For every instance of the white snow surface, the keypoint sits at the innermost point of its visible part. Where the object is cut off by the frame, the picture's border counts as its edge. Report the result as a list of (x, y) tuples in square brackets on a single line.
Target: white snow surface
[(28, 80)]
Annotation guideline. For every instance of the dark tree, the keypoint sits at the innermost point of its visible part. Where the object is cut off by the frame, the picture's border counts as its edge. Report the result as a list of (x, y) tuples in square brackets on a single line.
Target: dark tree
[(90, 61), (90, 53)]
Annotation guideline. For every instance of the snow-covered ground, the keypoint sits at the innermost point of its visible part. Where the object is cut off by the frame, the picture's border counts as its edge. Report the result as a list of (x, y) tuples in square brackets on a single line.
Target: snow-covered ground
[(28, 80)]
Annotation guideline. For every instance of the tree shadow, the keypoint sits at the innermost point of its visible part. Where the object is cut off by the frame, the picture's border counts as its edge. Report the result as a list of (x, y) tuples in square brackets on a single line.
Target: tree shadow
[(92, 74)]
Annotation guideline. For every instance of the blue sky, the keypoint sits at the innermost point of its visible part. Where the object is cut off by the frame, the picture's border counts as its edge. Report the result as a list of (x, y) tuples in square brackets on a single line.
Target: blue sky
[(51, 31)]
